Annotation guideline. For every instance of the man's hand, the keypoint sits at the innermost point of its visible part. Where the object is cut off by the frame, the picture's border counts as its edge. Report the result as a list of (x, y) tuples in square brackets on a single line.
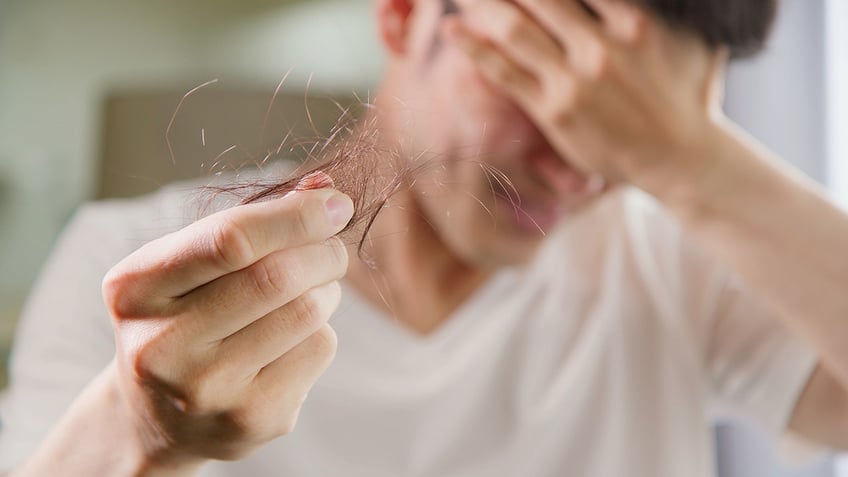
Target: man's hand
[(615, 91), (221, 327), (624, 96)]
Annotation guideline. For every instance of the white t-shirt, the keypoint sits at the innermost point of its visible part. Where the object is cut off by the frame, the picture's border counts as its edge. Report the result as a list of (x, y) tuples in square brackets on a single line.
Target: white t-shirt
[(601, 358)]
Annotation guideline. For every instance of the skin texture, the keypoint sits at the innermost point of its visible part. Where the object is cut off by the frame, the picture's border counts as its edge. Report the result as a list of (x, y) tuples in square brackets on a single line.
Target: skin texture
[(560, 103)]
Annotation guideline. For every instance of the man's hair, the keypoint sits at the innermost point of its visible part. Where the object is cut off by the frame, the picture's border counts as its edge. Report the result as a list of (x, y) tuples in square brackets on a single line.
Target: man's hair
[(741, 25)]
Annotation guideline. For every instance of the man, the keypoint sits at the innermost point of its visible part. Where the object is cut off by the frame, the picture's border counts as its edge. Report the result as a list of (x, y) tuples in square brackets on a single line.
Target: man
[(500, 331)]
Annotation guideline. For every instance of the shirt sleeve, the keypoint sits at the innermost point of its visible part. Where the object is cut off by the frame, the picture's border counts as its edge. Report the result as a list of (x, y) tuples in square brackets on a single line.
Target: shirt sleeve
[(756, 365), (751, 363), (64, 337)]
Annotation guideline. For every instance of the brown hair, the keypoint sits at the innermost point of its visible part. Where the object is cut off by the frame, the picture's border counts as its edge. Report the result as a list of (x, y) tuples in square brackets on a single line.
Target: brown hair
[(352, 159), (741, 25)]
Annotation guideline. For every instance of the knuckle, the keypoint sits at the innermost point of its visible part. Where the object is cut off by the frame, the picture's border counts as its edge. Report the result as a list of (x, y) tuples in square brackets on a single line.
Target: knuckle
[(148, 351), (150, 363), (144, 361), (267, 429), (282, 422), (260, 419), (287, 424), (325, 342), (204, 384), (310, 311), (115, 290), (201, 391), (231, 244), (251, 424), (273, 275)]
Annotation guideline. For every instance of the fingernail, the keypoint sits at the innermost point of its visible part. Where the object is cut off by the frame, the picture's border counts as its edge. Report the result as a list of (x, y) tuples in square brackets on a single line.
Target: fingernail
[(315, 180), (339, 209)]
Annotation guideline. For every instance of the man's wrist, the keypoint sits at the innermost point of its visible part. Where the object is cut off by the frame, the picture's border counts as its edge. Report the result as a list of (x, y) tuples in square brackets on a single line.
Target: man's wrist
[(97, 436), (701, 172), (143, 456)]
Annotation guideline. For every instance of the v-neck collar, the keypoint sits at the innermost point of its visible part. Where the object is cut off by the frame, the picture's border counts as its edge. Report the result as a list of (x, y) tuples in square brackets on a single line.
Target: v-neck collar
[(463, 316)]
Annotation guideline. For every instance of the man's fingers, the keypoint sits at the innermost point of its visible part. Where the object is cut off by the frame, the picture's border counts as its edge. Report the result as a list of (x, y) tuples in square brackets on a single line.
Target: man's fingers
[(523, 40), (234, 301), (262, 406), (276, 333), (624, 21), (568, 24), (567, 20), (276, 394), (238, 237), (494, 65), (308, 360), (293, 374), (221, 244)]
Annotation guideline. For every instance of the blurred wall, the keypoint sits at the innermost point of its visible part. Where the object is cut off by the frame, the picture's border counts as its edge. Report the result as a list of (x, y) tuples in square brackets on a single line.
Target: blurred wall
[(837, 104), (779, 96), (58, 58)]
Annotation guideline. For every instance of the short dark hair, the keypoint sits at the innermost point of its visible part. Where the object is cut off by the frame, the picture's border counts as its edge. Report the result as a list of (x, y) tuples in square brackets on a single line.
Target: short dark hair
[(741, 25)]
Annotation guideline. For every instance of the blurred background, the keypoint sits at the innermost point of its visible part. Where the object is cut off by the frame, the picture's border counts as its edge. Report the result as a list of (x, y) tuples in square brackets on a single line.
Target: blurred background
[(87, 90)]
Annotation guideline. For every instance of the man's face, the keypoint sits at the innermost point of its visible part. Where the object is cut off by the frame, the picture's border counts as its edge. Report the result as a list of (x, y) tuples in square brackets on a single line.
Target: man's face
[(493, 187)]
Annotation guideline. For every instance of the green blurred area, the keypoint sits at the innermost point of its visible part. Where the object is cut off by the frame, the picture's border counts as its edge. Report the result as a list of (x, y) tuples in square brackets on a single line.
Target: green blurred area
[(7, 326)]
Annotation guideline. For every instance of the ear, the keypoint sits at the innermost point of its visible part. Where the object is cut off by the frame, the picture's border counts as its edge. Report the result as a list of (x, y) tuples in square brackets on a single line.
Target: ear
[(393, 23)]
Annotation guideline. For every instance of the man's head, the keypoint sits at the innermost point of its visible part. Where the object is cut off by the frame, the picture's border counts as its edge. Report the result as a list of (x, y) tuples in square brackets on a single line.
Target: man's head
[(499, 186)]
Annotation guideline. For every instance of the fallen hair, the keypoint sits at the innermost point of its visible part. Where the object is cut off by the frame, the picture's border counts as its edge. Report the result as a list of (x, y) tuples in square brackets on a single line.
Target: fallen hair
[(352, 160)]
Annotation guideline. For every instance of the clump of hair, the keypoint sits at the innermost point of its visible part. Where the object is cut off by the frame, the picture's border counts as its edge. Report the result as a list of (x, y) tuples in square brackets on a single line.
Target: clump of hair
[(352, 160)]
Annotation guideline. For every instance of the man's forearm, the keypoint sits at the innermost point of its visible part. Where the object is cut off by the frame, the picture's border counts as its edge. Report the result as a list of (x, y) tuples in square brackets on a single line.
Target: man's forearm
[(777, 230), (95, 438)]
